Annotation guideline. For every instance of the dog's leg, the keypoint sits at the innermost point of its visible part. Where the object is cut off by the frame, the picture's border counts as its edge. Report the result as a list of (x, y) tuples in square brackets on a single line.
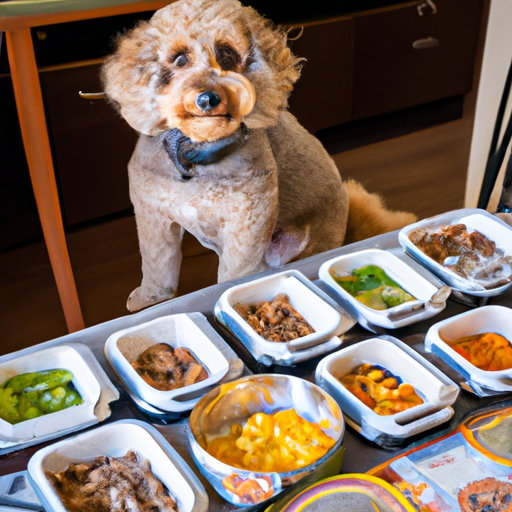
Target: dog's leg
[(160, 247)]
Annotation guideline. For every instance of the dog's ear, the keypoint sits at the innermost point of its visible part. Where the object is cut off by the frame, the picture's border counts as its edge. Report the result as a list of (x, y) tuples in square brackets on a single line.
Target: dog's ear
[(130, 76), (272, 69)]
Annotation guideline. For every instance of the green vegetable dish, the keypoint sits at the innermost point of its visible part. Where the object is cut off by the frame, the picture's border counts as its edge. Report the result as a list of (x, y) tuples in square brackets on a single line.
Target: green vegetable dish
[(372, 287), (29, 395)]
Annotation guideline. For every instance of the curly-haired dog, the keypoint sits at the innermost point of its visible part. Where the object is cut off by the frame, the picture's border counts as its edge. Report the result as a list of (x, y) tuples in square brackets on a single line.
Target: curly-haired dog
[(206, 84)]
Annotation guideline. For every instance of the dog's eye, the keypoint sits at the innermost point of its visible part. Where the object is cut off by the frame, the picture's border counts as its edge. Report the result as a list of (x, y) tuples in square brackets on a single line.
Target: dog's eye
[(180, 59), (227, 58)]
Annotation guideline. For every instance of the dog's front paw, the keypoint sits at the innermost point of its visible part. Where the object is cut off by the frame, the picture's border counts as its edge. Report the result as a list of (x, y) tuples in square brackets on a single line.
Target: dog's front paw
[(139, 299)]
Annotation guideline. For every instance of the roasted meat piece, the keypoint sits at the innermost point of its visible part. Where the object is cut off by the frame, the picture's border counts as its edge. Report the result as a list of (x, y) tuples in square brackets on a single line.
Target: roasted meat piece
[(276, 321), (165, 368), (469, 254), (109, 484)]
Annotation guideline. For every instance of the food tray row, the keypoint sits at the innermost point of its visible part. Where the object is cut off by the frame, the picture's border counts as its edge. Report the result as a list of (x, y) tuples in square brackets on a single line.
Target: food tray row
[(285, 295)]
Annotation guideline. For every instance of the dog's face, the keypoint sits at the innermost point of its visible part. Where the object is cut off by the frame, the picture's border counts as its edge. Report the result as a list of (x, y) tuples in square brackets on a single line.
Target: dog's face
[(202, 66)]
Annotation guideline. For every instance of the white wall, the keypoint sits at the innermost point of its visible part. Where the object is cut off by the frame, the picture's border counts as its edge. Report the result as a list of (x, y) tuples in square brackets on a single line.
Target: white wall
[(495, 64)]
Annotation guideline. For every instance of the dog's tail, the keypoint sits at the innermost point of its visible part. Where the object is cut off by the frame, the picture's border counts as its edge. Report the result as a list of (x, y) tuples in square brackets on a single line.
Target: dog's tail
[(368, 215)]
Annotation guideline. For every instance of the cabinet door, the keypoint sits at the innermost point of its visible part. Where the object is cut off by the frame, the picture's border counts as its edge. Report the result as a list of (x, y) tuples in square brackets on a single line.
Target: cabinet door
[(402, 58), (323, 95), (92, 145)]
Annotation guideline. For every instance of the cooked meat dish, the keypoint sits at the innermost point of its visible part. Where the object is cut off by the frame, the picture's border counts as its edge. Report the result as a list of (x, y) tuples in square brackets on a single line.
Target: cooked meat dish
[(165, 368), (468, 254), (276, 321), (108, 484), (487, 495)]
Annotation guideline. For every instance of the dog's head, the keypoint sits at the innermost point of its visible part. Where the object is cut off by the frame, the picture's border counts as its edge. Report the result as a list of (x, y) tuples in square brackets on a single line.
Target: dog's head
[(203, 67)]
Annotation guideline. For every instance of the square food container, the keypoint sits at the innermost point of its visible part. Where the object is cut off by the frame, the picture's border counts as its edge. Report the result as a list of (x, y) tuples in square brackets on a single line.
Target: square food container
[(475, 219), (84, 381), (125, 346), (437, 391), (497, 319), (115, 440), (327, 318), (407, 278)]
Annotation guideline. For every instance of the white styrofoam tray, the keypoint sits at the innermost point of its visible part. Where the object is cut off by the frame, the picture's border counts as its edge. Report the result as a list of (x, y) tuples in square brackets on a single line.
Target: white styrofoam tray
[(179, 330), (326, 318), (474, 219), (496, 319), (115, 440), (437, 391), (407, 278), (85, 382)]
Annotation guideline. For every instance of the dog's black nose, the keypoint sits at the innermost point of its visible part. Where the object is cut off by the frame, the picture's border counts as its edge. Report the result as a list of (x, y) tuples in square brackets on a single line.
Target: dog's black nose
[(207, 100)]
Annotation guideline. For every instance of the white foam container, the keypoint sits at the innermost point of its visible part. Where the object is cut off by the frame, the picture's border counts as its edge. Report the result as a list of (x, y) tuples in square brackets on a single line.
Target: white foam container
[(115, 440), (125, 346), (407, 278), (437, 391), (474, 219), (84, 380), (327, 318), (496, 319)]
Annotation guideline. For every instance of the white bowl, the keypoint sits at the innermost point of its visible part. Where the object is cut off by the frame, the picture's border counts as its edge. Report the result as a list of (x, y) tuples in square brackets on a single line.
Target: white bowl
[(474, 219), (115, 440), (65, 357), (326, 318), (437, 391), (125, 346), (396, 269), (496, 319)]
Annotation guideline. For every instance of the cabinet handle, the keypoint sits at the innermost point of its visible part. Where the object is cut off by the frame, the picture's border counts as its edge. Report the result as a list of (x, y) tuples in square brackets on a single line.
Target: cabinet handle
[(427, 7), (93, 95), (427, 42)]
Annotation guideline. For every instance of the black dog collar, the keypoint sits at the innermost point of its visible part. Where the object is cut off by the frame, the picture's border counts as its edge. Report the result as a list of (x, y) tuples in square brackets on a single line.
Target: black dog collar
[(186, 154)]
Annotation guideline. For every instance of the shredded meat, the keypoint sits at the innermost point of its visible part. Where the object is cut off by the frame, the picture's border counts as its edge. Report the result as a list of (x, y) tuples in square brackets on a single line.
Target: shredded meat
[(470, 255), (109, 484), (276, 321), (165, 368)]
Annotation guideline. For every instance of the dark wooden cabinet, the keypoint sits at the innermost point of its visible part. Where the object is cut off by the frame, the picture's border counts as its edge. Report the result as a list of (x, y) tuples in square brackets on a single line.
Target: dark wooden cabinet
[(376, 62)]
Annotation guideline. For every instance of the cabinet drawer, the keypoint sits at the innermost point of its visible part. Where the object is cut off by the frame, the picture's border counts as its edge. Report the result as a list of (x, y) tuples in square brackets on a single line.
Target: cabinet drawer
[(323, 95), (391, 74)]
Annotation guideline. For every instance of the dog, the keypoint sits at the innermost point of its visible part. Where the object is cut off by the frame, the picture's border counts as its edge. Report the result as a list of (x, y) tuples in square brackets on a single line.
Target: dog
[(206, 84)]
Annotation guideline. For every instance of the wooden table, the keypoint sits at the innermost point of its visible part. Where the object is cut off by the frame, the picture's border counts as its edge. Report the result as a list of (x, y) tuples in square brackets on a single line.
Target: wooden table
[(17, 17), (360, 455)]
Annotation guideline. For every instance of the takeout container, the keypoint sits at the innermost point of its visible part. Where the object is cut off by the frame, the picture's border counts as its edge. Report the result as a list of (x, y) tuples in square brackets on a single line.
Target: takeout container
[(115, 440), (84, 380), (326, 318), (497, 319), (234, 403), (125, 346), (408, 279), (475, 219), (437, 391)]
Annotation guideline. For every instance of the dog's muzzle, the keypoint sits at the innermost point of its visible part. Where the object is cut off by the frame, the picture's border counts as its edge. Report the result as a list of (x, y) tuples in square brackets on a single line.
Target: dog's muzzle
[(186, 154)]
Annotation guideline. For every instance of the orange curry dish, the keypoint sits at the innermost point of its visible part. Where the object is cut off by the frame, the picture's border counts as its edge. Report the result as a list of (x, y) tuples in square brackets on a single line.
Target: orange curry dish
[(280, 442), (488, 351), (380, 390)]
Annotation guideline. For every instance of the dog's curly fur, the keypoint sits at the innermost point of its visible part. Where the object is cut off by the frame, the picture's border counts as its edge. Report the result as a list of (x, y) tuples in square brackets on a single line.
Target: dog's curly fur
[(277, 196)]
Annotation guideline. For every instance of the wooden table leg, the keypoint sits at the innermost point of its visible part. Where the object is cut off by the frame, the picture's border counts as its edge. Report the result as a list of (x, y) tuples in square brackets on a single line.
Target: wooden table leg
[(29, 102)]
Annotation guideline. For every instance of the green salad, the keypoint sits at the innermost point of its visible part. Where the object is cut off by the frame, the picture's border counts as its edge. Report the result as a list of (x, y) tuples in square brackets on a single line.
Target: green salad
[(371, 286)]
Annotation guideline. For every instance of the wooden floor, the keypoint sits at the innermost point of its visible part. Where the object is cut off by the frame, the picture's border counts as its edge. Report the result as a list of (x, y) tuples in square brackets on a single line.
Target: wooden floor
[(423, 172)]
